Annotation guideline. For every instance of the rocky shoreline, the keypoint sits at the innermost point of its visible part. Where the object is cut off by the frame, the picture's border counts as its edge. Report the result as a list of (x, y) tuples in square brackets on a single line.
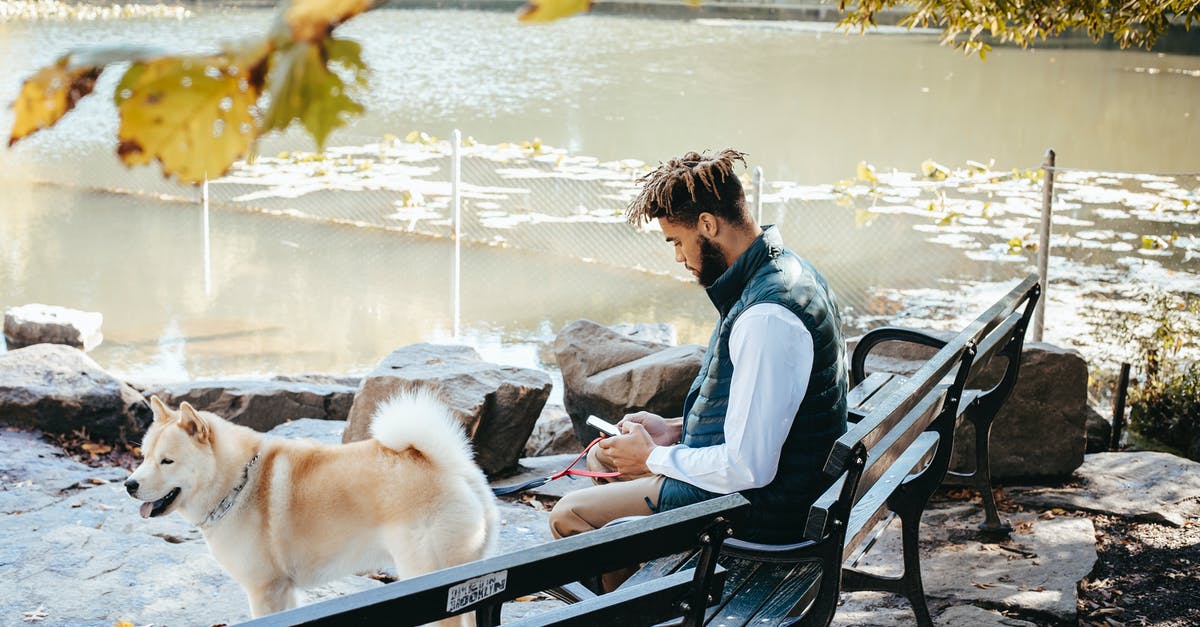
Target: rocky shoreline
[(76, 551), (80, 554)]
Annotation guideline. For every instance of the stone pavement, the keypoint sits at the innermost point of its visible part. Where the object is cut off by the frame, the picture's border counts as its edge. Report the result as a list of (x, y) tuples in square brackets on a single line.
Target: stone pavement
[(73, 549)]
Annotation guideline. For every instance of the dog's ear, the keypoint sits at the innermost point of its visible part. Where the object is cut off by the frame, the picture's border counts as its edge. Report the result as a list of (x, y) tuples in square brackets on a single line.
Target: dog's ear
[(161, 413), (193, 423)]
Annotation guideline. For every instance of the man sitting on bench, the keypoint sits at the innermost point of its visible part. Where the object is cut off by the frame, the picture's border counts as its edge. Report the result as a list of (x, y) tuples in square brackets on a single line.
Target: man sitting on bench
[(770, 398)]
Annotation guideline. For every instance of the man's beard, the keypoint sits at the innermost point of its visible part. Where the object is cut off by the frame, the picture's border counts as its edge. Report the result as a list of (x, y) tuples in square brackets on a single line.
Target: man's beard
[(712, 262)]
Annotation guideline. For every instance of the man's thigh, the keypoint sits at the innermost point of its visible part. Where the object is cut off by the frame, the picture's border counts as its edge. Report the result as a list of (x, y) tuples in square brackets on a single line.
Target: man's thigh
[(594, 507)]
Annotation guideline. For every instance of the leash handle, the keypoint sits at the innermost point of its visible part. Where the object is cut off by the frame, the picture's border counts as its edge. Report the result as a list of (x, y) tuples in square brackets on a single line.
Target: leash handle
[(569, 471), (565, 472)]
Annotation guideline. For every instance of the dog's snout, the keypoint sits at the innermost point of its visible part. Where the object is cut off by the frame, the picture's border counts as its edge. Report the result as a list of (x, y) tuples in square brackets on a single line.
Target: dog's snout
[(131, 486)]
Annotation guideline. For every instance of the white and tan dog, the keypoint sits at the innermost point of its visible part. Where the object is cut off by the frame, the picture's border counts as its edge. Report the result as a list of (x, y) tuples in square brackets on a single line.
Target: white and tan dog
[(281, 514)]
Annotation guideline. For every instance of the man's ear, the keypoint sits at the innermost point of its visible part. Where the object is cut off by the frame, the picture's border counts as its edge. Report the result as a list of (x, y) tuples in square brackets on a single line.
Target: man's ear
[(193, 423), (707, 224), (161, 413)]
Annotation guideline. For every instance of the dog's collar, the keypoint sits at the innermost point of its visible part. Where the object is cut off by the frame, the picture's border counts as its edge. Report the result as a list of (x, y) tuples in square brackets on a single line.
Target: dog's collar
[(230, 499)]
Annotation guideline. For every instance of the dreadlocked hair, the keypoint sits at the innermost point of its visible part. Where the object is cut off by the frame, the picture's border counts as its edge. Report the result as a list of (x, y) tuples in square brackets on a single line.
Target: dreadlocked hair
[(686, 186)]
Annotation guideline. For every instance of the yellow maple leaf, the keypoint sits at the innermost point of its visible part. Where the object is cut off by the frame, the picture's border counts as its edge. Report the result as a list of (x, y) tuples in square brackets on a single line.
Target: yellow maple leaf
[(48, 95), (550, 10), (193, 114)]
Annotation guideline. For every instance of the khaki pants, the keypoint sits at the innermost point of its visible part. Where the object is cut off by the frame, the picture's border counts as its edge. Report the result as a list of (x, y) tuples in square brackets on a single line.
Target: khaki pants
[(593, 507)]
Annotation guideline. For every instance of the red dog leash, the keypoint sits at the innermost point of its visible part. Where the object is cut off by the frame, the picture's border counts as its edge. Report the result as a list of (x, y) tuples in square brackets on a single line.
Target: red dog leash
[(569, 471)]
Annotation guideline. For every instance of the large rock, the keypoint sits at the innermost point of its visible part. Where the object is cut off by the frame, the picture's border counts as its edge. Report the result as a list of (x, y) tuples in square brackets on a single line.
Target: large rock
[(261, 405), (59, 389), (609, 374), (1099, 432), (27, 325), (1153, 486), (553, 434), (1035, 570), (497, 405), (1040, 431)]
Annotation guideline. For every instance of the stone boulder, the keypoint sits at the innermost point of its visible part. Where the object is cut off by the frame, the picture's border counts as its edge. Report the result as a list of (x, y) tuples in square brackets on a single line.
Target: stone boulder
[(261, 405), (27, 325), (553, 434), (497, 405), (1039, 433), (59, 389), (1148, 485), (1099, 432), (609, 374)]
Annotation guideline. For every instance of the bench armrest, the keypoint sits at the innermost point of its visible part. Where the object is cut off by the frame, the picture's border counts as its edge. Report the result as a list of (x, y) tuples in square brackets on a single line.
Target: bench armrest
[(767, 552), (878, 336)]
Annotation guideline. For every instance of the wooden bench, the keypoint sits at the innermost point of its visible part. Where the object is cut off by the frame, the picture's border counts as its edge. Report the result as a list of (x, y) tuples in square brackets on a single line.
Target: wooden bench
[(483, 586), (894, 455), (1011, 316)]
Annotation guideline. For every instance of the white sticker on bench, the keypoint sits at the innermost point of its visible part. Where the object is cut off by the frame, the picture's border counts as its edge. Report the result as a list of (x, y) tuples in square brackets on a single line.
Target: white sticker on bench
[(475, 590)]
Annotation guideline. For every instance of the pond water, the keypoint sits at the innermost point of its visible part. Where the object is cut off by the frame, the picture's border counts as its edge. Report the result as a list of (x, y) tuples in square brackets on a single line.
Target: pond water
[(807, 103)]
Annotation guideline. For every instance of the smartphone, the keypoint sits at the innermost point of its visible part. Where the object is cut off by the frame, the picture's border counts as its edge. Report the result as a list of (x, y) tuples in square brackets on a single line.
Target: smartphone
[(604, 426)]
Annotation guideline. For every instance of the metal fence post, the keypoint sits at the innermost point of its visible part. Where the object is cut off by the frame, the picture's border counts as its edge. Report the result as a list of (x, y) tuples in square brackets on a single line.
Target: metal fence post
[(1043, 260), (756, 181), (205, 238), (456, 201)]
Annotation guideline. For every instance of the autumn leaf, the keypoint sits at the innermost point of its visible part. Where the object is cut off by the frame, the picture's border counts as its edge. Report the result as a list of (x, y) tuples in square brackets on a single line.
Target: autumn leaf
[(933, 169), (550, 10), (866, 173), (49, 94), (194, 114), (304, 87), (95, 448)]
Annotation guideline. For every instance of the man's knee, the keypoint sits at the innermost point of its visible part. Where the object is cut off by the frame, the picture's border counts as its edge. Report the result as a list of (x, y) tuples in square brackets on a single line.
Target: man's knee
[(564, 519)]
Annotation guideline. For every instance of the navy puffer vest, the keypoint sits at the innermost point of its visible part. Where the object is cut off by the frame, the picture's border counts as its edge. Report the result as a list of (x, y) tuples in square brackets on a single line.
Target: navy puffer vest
[(768, 273)]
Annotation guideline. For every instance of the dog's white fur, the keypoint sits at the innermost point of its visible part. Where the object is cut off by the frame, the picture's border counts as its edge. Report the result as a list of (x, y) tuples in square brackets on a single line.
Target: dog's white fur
[(411, 497)]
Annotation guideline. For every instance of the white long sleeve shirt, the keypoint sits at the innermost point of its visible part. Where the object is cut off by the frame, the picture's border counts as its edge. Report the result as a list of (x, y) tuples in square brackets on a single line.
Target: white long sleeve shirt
[(772, 355)]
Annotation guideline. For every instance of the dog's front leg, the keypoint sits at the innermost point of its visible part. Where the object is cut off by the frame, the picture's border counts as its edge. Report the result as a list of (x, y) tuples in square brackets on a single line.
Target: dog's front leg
[(273, 596)]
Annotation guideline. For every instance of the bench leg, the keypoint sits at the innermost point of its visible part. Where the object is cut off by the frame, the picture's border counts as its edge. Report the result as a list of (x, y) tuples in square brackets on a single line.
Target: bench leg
[(487, 615), (983, 480), (912, 588), (907, 584)]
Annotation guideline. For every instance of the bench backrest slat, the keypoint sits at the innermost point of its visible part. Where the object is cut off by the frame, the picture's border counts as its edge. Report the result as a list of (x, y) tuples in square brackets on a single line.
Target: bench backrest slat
[(880, 420), (871, 507), (897, 440)]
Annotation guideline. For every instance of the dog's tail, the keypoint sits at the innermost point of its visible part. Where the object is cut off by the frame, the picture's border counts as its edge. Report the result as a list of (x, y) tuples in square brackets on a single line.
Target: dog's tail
[(419, 419)]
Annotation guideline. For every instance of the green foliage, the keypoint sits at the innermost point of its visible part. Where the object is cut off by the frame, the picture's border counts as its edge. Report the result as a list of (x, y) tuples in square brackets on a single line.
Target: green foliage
[(1167, 410), (1165, 403), (305, 87), (1136, 23)]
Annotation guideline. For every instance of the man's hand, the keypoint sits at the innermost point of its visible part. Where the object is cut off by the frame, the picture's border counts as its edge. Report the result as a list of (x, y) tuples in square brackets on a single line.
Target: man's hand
[(629, 452), (663, 431)]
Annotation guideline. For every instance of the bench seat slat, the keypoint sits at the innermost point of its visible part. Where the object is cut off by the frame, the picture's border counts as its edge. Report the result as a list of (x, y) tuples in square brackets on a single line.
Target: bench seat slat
[(660, 567), (764, 582), (796, 592), (650, 602), (740, 573), (859, 396)]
